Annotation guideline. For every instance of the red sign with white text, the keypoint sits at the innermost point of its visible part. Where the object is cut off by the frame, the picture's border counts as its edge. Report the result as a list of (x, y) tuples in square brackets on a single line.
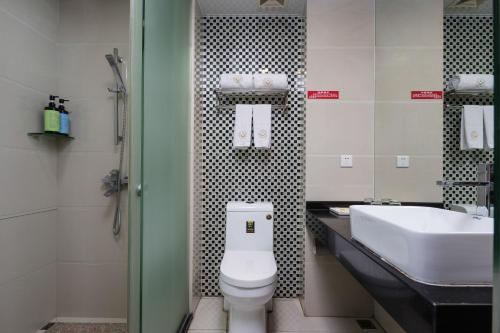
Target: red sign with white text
[(323, 94), (427, 94)]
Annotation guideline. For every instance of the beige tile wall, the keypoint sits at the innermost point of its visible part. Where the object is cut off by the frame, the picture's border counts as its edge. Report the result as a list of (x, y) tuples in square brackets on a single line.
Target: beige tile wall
[(91, 263), (330, 290), (340, 56), (28, 167), (374, 53), (409, 56)]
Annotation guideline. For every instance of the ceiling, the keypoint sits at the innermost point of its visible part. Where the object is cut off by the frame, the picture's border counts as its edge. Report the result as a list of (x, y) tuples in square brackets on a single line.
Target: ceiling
[(249, 7), (485, 8), (298, 7)]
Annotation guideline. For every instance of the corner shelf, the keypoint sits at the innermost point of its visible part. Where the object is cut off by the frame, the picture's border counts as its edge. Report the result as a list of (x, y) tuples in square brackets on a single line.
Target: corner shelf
[(50, 135), (235, 93)]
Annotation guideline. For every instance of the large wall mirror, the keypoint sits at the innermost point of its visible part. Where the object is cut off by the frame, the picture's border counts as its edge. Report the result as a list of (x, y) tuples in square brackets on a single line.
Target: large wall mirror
[(418, 128)]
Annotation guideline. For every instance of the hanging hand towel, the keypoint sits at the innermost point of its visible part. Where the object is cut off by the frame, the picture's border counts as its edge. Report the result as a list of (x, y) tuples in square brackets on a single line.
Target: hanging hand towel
[(236, 81), (467, 82), (262, 126), (242, 126), (489, 115), (270, 81), (471, 134)]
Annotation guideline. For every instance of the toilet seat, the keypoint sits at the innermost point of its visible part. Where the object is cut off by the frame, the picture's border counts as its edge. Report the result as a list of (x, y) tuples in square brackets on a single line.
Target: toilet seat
[(248, 269)]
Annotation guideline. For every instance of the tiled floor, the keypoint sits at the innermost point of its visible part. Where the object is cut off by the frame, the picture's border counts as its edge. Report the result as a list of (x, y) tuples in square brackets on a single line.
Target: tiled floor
[(87, 328), (286, 317)]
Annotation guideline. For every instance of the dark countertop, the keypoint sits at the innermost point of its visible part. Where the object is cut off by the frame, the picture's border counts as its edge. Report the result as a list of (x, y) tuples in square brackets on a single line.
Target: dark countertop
[(434, 294), (416, 306)]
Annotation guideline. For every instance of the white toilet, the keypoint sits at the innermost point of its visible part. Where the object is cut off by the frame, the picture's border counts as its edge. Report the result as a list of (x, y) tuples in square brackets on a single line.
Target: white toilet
[(248, 270)]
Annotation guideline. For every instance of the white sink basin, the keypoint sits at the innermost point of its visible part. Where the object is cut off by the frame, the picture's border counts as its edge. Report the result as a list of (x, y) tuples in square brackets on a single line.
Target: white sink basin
[(430, 245)]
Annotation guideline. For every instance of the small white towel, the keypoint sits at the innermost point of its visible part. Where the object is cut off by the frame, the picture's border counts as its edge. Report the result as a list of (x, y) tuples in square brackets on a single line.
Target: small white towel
[(270, 81), (262, 126), (471, 133), (489, 117), (472, 82), (236, 81), (242, 126)]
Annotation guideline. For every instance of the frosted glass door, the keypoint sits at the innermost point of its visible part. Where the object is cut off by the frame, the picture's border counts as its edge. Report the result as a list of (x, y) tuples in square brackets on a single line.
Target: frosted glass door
[(165, 164)]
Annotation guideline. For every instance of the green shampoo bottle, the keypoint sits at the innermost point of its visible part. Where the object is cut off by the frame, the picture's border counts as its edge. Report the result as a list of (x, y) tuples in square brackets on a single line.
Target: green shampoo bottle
[(51, 117)]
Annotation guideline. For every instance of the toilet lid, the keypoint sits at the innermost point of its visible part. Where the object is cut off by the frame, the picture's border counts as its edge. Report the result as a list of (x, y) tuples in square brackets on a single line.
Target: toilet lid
[(248, 269)]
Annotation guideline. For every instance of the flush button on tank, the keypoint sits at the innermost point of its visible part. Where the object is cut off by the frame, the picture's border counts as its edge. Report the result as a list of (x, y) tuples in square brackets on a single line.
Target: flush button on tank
[(269, 216)]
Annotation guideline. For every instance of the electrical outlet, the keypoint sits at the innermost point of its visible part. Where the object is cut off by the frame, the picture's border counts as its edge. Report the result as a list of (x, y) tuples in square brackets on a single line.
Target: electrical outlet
[(403, 161), (346, 161)]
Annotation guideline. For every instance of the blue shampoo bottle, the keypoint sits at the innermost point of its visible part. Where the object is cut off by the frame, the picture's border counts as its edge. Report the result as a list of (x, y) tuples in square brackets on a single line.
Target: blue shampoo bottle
[(64, 115)]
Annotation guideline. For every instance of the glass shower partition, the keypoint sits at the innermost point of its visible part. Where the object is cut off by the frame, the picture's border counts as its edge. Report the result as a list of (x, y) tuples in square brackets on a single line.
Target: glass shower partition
[(159, 165), (496, 245)]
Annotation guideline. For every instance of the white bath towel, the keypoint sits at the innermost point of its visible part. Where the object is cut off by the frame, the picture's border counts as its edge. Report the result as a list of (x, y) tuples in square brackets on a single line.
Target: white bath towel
[(471, 133), (489, 117), (262, 126), (472, 82), (236, 81), (242, 126), (270, 81)]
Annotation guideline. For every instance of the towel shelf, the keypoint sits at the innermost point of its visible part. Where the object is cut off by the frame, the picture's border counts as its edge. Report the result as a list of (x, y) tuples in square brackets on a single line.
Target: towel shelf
[(280, 94), (453, 92)]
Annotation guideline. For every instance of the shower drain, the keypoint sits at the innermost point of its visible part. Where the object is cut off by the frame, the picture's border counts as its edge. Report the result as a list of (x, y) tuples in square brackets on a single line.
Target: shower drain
[(366, 324)]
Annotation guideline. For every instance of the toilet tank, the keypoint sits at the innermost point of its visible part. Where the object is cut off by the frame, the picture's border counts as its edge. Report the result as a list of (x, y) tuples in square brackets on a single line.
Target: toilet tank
[(249, 226)]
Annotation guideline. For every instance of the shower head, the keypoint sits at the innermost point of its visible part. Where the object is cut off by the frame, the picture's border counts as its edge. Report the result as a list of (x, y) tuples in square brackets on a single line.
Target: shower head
[(114, 60)]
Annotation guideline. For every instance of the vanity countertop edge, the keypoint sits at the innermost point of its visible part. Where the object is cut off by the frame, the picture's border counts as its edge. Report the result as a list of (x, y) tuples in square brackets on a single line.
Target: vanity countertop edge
[(416, 306)]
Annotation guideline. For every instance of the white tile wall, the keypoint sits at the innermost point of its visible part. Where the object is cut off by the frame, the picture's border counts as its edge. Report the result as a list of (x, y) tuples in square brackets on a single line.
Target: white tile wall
[(349, 70), (30, 177), (409, 56), (331, 128), (27, 243), (355, 47), (91, 273), (28, 171), (91, 290), (400, 23), (330, 290), (28, 56), (340, 56), (80, 175), (340, 23), (41, 246), (29, 302), (41, 16), (325, 180), (94, 21), (83, 236)]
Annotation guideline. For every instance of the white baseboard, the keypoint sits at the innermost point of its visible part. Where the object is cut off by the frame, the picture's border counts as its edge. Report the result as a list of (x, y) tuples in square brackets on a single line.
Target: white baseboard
[(87, 320)]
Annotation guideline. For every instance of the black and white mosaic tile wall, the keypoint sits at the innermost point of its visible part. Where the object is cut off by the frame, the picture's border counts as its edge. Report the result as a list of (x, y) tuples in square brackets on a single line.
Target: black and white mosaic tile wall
[(468, 48), (249, 44)]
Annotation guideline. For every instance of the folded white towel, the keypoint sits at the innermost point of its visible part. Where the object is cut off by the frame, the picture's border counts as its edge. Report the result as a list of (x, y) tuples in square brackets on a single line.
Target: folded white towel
[(488, 116), (242, 126), (270, 81), (472, 82), (471, 133), (262, 126), (234, 81)]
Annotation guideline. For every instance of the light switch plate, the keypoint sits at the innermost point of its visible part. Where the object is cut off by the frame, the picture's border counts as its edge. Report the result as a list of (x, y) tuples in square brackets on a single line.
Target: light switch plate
[(403, 161), (346, 161)]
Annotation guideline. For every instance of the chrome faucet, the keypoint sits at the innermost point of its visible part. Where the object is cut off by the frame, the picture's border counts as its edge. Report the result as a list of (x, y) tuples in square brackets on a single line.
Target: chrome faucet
[(385, 202), (484, 184)]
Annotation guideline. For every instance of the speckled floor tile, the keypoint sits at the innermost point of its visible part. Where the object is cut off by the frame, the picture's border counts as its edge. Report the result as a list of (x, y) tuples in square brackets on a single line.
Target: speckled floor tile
[(87, 328)]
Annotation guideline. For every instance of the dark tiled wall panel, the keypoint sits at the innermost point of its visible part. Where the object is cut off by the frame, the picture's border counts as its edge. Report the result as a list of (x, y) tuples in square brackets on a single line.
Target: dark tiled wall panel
[(222, 174), (468, 48)]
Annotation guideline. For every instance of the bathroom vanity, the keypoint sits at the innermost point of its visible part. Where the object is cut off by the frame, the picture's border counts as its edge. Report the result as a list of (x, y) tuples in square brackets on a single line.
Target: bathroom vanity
[(417, 307)]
